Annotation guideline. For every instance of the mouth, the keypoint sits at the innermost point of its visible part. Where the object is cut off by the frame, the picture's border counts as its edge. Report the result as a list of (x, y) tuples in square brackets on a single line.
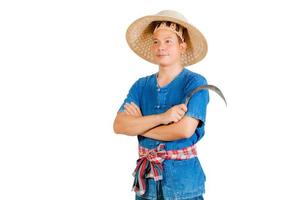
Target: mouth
[(162, 55)]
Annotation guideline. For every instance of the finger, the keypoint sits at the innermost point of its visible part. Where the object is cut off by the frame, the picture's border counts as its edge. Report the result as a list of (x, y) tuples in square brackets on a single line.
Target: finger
[(139, 111), (132, 103), (130, 109), (181, 112), (127, 112), (136, 108), (179, 117), (183, 107)]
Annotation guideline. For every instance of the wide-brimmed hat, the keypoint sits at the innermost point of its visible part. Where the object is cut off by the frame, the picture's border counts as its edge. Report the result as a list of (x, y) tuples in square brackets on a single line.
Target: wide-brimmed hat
[(139, 37)]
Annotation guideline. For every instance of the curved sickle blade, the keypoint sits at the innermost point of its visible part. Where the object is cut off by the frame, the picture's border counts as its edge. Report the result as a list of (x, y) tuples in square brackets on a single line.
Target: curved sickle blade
[(204, 87)]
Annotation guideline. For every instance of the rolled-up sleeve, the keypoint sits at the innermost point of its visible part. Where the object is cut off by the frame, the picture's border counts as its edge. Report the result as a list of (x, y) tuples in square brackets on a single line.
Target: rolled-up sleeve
[(132, 96), (198, 102)]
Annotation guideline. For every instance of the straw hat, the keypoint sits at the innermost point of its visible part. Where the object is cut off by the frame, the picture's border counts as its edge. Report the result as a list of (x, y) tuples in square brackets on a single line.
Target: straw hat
[(139, 37)]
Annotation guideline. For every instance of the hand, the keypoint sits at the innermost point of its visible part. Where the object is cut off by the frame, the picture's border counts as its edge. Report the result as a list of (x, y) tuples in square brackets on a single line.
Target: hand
[(174, 114), (133, 110)]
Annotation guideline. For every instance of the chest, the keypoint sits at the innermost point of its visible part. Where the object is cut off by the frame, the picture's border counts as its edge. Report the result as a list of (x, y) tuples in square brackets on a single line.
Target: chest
[(155, 100)]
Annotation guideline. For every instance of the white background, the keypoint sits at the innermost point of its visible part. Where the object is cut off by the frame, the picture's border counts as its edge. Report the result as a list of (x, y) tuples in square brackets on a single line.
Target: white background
[(65, 68)]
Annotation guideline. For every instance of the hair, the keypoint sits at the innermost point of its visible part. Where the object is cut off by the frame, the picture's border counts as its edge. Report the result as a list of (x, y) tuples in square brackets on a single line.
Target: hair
[(157, 23)]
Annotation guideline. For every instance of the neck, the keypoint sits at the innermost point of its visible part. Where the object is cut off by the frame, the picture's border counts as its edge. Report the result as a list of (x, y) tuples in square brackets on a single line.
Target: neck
[(168, 73)]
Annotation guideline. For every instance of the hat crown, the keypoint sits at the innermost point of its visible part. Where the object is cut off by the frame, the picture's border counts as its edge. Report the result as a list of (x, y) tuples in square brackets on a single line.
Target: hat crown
[(172, 13)]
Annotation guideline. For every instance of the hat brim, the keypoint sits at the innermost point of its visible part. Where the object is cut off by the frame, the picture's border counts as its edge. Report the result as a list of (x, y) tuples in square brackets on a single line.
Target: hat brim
[(139, 39)]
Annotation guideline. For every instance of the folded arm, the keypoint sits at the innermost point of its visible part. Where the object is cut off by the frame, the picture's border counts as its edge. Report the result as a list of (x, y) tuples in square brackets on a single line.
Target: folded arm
[(184, 128), (159, 126), (132, 126)]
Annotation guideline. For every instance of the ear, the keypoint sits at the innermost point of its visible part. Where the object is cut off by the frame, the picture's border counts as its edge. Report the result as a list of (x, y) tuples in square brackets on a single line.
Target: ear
[(182, 47)]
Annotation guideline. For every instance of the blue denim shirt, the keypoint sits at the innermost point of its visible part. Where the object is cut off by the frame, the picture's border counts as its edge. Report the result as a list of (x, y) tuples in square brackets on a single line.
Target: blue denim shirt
[(181, 178)]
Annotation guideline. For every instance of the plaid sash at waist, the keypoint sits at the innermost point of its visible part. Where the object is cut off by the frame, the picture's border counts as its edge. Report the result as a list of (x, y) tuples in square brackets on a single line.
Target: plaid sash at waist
[(149, 164)]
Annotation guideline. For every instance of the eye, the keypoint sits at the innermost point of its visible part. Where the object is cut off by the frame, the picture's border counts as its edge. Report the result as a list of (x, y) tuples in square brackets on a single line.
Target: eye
[(155, 42), (169, 41)]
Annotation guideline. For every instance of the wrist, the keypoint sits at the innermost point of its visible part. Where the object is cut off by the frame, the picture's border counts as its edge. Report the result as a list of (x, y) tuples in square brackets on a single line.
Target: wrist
[(161, 118)]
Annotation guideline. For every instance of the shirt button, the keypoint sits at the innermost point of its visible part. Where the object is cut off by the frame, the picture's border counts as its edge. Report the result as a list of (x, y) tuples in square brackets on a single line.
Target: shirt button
[(157, 107), (158, 89)]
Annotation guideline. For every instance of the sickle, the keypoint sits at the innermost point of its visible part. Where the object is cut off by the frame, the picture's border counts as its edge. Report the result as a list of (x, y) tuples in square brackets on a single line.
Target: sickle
[(204, 87)]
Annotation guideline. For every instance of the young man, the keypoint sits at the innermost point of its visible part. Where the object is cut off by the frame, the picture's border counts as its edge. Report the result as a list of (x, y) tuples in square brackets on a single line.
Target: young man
[(167, 129)]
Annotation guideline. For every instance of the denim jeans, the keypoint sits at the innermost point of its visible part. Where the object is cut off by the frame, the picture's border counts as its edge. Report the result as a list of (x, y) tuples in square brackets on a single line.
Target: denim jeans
[(162, 198), (160, 195)]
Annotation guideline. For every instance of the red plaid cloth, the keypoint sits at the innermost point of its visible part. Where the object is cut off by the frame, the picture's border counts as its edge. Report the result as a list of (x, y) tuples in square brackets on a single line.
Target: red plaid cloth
[(149, 165)]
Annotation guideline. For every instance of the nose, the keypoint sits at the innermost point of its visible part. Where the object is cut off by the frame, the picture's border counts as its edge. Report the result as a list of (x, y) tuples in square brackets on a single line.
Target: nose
[(161, 47)]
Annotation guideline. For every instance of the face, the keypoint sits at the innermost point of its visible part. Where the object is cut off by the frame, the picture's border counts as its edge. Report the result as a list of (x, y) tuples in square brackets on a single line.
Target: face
[(166, 47)]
